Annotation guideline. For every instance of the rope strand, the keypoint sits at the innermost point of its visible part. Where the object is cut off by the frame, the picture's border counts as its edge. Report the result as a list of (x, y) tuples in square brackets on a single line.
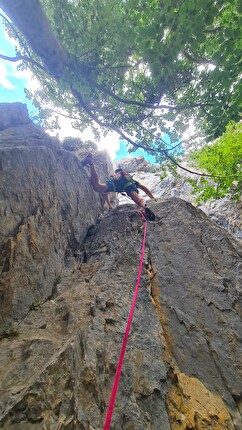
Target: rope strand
[(126, 334)]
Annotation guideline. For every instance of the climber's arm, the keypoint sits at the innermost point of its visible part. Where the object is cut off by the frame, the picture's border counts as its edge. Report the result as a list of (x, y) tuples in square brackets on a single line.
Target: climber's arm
[(107, 199), (146, 190)]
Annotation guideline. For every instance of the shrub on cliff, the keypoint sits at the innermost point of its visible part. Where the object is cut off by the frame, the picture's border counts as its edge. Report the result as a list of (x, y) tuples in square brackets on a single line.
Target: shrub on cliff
[(223, 161)]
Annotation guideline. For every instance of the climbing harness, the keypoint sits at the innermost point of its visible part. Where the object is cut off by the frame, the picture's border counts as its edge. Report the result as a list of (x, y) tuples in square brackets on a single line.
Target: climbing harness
[(126, 334), (122, 182)]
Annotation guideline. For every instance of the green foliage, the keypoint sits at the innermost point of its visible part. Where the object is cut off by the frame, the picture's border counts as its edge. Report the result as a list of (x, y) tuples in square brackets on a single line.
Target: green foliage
[(9, 334), (80, 147), (168, 167), (127, 57), (223, 161), (35, 305)]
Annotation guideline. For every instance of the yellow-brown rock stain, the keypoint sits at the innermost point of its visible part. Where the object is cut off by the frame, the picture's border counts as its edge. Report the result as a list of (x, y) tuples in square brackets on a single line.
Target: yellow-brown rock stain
[(32, 237), (190, 405), (154, 292)]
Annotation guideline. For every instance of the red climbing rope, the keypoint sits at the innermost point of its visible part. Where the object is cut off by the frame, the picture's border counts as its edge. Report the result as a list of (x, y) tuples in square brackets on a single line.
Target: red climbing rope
[(125, 338)]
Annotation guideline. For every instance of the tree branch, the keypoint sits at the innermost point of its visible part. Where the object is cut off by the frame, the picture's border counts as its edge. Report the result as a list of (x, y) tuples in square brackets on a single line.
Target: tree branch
[(213, 30), (61, 114), (143, 104), (23, 58), (15, 32), (111, 127), (196, 173), (39, 34), (194, 58)]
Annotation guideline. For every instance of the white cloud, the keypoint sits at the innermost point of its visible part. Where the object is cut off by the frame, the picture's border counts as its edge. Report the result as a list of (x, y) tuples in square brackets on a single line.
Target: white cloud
[(4, 74)]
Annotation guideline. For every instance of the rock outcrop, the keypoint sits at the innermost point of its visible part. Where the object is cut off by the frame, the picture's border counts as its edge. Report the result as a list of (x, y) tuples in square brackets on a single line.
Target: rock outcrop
[(135, 164), (225, 212), (47, 205), (12, 114), (182, 368)]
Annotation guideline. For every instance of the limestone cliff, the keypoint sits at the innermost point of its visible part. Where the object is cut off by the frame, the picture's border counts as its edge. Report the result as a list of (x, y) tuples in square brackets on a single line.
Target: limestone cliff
[(225, 212), (182, 367), (47, 205)]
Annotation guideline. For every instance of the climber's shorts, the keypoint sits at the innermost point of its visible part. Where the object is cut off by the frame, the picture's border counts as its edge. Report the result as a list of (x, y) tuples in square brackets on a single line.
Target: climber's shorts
[(111, 186), (114, 187), (131, 187)]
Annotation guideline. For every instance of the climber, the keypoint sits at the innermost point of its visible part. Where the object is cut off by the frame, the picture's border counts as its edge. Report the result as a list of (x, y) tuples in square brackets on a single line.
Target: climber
[(120, 182)]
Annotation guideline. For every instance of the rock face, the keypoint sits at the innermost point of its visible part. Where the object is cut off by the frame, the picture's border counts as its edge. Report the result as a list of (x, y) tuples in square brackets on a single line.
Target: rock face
[(47, 205), (182, 367), (12, 114), (135, 164), (226, 213)]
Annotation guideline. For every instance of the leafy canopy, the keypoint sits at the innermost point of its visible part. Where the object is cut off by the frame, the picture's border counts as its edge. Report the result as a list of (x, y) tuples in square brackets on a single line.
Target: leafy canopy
[(80, 147), (223, 160), (138, 66)]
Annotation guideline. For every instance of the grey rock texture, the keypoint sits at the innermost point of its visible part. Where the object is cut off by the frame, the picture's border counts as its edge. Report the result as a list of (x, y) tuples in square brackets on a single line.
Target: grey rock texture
[(12, 114), (68, 273), (182, 367), (226, 213), (46, 207), (135, 164)]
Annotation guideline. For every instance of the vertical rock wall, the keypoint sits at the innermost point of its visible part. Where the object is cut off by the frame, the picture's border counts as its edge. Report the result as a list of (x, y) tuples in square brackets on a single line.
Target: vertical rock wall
[(62, 328), (46, 206), (182, 366)]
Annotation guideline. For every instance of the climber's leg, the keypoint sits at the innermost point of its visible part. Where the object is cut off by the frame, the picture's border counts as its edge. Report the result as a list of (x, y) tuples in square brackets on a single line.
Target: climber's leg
[(136, 198), (100, 188), (140, 202)]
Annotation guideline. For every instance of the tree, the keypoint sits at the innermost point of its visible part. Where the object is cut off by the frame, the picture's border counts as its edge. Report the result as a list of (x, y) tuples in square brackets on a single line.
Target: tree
[(80, 147), (222, 160), (134, 66)]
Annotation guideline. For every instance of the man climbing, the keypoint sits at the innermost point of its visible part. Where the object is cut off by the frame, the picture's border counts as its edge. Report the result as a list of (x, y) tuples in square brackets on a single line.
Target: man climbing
[(120, 182)]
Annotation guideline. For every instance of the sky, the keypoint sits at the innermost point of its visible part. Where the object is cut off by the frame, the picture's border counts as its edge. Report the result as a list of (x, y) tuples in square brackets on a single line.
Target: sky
[(12, 85)]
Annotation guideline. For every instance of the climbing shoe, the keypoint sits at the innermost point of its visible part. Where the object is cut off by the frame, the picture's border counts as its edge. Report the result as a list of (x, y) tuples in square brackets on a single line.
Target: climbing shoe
[(88, 160), (149, 215)]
